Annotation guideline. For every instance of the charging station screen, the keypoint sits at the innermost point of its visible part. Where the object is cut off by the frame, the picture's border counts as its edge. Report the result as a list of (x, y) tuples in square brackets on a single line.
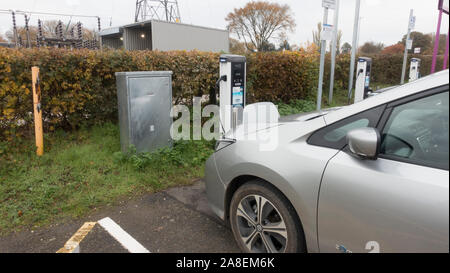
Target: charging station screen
[(238, 85)]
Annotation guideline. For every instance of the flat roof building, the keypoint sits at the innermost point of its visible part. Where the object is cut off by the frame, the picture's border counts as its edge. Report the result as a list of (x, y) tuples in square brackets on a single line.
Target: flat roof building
[(165, 36)]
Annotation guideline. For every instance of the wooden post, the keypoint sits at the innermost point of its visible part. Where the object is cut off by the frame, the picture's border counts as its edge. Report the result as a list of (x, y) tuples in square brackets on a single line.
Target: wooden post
[(39, 132)]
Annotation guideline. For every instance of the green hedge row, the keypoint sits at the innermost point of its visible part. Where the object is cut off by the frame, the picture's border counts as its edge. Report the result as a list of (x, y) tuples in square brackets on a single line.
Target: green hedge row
[(78, 86)]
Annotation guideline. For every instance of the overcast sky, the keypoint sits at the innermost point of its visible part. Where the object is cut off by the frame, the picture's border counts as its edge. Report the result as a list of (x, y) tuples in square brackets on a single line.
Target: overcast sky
[(382, 20)]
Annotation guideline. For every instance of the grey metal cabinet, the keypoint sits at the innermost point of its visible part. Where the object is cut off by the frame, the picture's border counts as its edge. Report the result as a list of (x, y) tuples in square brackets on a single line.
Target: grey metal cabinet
[(145, 102)]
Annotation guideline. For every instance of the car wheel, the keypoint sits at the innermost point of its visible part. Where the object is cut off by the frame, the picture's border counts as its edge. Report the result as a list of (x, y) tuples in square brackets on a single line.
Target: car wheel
[(263, 221)]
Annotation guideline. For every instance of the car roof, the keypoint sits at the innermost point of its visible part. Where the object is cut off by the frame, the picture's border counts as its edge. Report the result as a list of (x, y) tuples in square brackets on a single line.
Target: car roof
[(426, 83)]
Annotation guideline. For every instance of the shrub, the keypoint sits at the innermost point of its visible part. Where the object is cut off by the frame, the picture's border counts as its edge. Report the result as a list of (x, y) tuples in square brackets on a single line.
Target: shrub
[(79, 87)]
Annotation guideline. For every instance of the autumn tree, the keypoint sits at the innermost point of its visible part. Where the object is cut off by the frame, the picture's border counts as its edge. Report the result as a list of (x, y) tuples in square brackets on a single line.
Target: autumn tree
[(442, 43), (371, 48), (394, 49), (237, 47), (285, 45), (346, 48), (259, 22), (424, 41)]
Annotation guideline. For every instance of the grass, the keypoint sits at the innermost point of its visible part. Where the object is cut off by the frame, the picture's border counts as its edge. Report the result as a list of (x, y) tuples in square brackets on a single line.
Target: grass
[(82, 171)]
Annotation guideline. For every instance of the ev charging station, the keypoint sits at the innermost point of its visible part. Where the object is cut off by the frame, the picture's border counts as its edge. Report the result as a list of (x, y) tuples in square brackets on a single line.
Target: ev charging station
[(362, 88), (233, 89), (414, 71)]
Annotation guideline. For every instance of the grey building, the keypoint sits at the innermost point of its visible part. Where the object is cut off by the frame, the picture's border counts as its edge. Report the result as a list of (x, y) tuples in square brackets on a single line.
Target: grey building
[(166, 36)]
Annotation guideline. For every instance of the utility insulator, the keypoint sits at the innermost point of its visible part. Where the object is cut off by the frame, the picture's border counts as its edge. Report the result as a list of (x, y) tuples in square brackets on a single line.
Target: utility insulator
[(59, 30), (99, 24), (38, 43), (15, 28), (79, 35), (40, 34)]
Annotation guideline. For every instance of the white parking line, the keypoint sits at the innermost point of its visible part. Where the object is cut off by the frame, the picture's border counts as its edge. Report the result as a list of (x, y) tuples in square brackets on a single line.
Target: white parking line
[(122, 236)]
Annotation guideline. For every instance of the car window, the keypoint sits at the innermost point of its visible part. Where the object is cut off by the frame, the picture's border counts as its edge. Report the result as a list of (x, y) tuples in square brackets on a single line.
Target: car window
[(335, 135), (341, 132), (418, 132)]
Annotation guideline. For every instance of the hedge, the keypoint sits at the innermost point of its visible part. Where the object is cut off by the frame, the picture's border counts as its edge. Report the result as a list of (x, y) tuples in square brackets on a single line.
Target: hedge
[(386, 70), (78, 86)]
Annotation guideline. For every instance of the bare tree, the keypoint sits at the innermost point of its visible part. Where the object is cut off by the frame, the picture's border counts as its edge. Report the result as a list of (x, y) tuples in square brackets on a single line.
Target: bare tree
[(258, 22), (316, 35), (338, 42)]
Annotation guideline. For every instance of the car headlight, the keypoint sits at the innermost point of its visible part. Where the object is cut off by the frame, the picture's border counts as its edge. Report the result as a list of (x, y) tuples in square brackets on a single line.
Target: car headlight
[(223, 143)]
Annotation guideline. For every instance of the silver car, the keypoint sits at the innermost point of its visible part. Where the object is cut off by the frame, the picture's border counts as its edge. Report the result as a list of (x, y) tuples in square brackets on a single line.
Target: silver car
[(370, 177)]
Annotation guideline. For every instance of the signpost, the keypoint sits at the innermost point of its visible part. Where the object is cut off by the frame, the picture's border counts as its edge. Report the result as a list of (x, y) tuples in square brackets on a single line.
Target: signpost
[(327, 4), (409, 43), (354, 47), (333, 51)]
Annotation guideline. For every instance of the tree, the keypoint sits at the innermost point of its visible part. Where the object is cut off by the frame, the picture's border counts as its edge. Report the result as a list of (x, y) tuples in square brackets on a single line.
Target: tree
[(424, 41), (442, 42), (268, 47), (371, 48), (258, 22), (237, 47), (338, 42), (22, 35), (2, 39), (394, 49), (284, 45), (346, 48), (316, 35)]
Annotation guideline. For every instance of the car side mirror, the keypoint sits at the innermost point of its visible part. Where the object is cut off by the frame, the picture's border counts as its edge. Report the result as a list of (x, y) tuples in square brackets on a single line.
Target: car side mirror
[(364, 143)]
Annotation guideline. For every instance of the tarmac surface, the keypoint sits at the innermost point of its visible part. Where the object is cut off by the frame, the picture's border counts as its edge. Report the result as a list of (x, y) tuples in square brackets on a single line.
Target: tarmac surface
[(175, 221)]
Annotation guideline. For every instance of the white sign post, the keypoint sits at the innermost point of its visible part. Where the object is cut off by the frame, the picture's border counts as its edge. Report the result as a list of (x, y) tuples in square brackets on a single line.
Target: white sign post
[(329, 4), (409, 43)]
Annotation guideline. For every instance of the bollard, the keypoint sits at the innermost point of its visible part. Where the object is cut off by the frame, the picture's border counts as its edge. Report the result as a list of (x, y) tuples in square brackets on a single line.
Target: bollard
[(39, 132)]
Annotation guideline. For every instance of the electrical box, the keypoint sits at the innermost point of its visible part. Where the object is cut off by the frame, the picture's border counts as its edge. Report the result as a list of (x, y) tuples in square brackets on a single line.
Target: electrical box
[(414, 71), (362, 87), (233, 88), (145, 103)]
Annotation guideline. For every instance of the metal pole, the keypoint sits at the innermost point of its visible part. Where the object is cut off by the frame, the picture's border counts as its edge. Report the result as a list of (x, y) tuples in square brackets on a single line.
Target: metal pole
[(354, 46), (405, 57), (436, 43), (322, 63), (446, 54), (333, 51)]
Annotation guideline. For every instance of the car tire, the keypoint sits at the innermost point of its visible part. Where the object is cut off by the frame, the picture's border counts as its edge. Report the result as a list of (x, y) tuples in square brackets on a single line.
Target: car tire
[(277, 231)]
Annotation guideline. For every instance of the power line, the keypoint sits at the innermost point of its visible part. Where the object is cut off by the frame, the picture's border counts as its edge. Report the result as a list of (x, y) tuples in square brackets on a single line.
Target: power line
[(48, 13)]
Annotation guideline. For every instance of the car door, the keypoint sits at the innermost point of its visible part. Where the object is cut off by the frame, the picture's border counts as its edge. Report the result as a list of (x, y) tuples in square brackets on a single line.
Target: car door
[(399, 202)]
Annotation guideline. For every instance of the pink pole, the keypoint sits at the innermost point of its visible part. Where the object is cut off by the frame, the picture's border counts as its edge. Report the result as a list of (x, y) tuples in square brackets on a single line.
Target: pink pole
[(436, 43), (446, 53)]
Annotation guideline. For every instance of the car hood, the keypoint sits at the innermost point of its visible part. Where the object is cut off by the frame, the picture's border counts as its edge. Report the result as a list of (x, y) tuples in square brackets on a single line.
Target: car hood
[(243, 131), (308, 116)]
